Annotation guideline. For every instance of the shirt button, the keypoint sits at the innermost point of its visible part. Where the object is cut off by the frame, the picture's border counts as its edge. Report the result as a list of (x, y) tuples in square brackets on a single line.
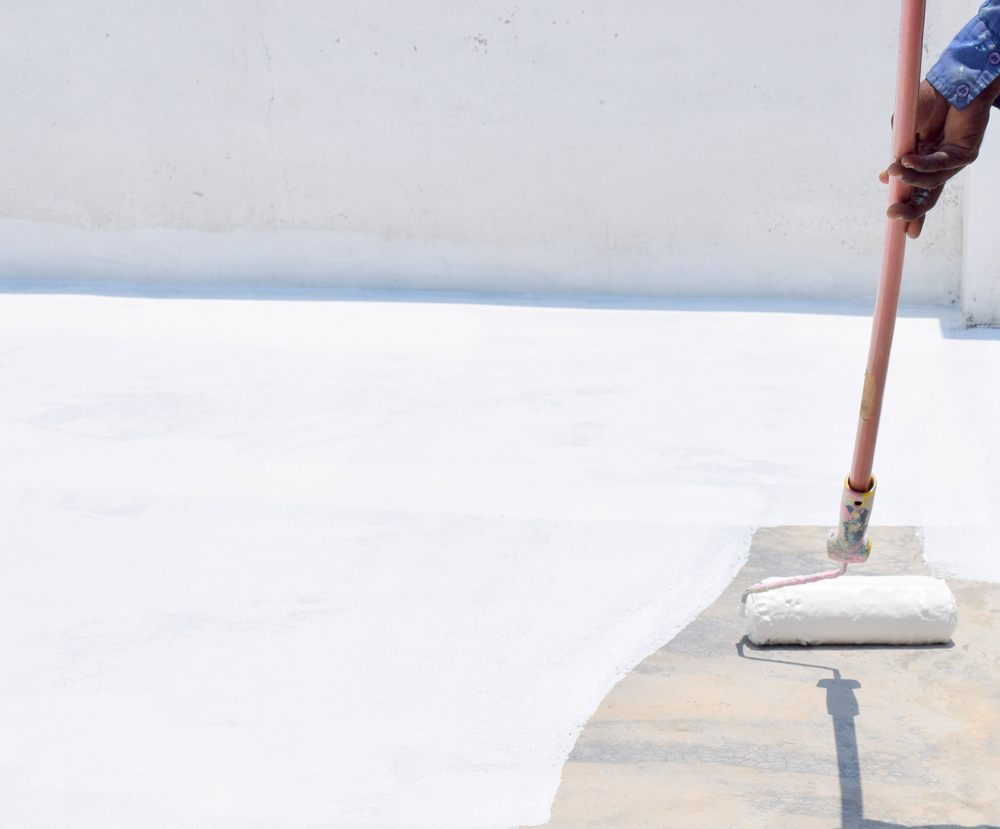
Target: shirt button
[(962, 91), (994, 58)]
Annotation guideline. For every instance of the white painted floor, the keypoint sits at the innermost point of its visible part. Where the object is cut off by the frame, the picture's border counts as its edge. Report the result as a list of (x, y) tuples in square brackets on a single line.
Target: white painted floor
[(373, 562)]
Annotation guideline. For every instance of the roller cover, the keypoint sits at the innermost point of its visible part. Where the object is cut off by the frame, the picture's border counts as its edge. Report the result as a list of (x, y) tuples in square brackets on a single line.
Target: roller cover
[(854, 610)]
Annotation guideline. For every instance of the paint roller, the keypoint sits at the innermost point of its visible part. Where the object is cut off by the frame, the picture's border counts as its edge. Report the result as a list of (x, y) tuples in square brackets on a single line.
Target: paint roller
[(828, 608)]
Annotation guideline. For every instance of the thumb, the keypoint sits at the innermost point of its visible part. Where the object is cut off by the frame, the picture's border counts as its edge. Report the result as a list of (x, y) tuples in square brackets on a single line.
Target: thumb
[(949, 157)]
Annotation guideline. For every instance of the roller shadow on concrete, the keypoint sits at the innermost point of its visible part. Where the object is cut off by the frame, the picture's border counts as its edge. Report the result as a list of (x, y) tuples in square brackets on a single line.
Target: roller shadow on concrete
[(711, 731), (843, 707)]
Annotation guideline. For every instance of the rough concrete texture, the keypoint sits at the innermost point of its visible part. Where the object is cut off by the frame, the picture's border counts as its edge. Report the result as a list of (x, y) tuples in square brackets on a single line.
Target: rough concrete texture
[(710, 731)]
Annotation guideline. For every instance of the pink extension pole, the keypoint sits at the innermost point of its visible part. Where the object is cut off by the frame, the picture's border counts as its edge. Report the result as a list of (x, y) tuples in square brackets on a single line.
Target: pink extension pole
[(850, 542), (904, 140)]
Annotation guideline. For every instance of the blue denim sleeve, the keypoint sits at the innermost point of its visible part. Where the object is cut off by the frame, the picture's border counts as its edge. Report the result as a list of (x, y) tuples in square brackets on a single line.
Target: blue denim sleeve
[(972, 60)]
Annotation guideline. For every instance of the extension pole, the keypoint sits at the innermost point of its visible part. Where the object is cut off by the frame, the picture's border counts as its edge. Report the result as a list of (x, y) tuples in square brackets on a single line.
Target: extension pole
[(850, 542), (904, 129)]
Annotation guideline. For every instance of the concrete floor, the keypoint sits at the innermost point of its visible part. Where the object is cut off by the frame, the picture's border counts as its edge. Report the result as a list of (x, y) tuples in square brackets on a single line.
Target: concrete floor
[(710, 731)]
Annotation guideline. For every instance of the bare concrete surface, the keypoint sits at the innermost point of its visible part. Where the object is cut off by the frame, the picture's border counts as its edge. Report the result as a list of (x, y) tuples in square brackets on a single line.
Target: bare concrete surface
[(710, 731)]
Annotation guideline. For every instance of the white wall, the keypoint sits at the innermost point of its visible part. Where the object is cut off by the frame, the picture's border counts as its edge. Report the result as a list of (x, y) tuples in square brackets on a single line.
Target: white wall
[(670, 148), (981, 257)]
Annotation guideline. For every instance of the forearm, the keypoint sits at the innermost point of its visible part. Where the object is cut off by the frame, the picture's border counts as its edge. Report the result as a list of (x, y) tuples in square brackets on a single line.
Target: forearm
[(968, 68)]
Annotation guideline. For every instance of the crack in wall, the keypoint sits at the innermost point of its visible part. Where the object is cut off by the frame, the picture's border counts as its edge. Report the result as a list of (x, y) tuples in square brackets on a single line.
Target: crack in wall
[(279, 169)]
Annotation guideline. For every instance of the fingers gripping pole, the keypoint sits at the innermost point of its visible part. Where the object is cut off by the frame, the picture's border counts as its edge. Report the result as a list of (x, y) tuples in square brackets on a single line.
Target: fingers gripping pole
[(904, 129)]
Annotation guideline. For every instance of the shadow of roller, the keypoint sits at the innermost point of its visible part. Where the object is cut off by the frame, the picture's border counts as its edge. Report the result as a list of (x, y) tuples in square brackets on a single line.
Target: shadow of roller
[(697, 735), (842, 706)]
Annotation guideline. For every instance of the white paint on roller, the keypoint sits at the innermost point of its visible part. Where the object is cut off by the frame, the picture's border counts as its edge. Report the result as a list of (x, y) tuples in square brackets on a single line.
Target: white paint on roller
[(859, 610)]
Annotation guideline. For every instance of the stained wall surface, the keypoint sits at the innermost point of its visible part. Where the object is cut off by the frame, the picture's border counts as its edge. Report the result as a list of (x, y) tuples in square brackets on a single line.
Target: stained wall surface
[(980, 289), (669, 148)]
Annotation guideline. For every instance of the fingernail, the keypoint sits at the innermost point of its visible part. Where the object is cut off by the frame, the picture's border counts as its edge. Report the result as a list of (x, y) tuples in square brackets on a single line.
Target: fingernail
[(906, 164)]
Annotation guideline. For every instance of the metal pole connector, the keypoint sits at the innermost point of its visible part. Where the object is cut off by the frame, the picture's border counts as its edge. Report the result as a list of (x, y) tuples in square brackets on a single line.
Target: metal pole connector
[(850, 542)]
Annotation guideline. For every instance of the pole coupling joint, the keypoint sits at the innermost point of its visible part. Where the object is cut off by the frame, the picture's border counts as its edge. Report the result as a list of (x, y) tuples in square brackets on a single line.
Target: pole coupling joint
[(850, 542)]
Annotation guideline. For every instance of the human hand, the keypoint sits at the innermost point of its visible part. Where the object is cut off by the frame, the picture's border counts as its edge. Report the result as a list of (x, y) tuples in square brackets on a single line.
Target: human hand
[(948, 140)]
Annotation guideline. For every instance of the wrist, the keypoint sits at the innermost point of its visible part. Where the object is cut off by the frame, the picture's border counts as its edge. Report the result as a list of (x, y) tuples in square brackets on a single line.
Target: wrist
[(986, 98)]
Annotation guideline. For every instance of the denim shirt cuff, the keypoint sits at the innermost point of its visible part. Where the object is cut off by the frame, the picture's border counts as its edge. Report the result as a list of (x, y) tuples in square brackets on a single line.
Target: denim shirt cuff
[(969, 64)]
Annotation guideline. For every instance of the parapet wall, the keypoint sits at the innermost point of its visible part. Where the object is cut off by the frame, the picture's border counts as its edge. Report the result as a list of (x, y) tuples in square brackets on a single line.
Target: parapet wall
[(670, 149)]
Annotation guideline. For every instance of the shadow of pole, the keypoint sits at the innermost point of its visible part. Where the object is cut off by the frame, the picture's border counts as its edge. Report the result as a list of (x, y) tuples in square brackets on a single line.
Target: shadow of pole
[(842, 705)]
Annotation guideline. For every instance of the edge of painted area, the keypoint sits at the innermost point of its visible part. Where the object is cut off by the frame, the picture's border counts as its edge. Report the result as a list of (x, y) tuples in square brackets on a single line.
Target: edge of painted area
[(962, 552), (659, 623)]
